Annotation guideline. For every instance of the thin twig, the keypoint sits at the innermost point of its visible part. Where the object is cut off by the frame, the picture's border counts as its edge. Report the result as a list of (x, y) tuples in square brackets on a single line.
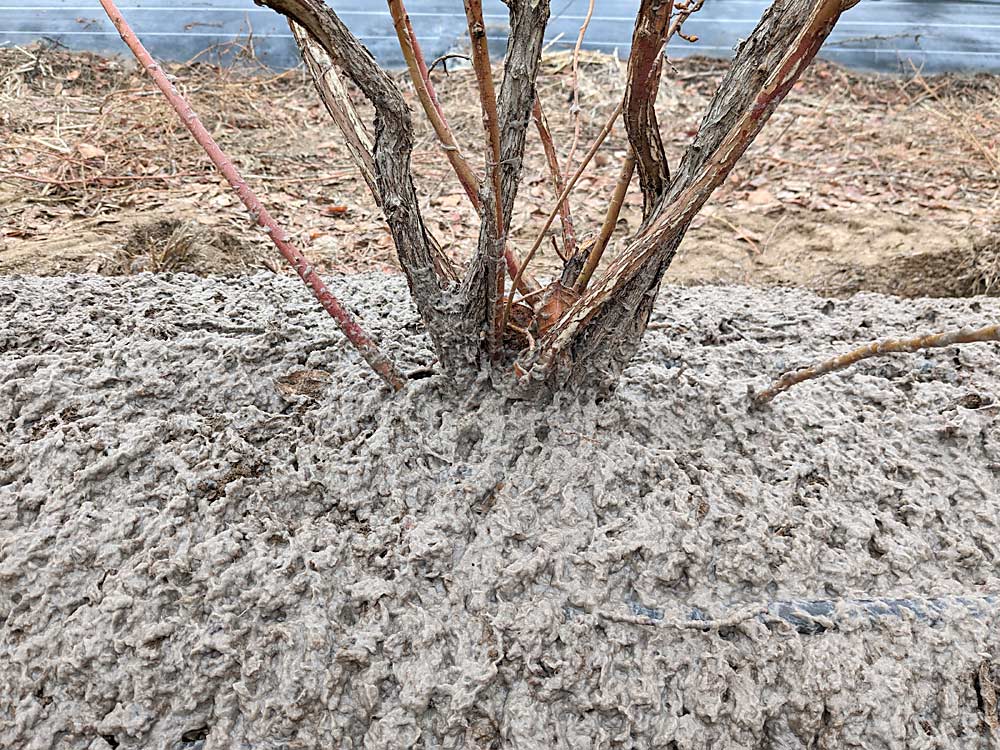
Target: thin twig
[(443, 60), (576, 83), (553, 42), (877, 349), (770, 235), (610, 222), (740, 233), (565, 193), (565, 215), (557, 251), (104, 178), (354, 333)]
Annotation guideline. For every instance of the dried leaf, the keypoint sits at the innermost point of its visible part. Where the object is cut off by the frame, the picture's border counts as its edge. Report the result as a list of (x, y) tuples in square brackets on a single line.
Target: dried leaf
[(760, 197), (90, 151), (308, 383), (555, 301)]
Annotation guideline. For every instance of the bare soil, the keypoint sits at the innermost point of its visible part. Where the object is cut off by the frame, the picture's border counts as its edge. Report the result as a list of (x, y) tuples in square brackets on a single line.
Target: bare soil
[(860, 182)]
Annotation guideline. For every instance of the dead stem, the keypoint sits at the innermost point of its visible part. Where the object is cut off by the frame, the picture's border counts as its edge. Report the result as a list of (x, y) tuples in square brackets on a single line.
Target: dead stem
[(358, 337), (558, 184), (339, 105), (877, 349), (610, 222)]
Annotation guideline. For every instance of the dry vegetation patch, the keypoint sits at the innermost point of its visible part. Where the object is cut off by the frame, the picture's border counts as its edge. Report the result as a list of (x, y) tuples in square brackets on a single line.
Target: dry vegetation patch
[(860, 181)]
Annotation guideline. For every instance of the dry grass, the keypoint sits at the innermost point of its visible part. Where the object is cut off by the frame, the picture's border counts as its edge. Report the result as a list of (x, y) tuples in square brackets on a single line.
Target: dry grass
[(173, 245), (981, 269)]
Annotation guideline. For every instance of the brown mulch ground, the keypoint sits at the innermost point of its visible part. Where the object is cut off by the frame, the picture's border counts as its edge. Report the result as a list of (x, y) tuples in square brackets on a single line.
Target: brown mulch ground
[(859, 181)]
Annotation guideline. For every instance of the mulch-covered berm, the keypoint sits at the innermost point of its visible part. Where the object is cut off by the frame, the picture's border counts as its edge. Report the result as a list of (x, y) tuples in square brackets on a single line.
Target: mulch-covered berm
[(218, 530)]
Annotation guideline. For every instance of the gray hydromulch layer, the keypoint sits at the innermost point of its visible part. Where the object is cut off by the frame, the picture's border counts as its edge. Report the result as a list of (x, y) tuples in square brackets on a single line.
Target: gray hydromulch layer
[(217, 530)]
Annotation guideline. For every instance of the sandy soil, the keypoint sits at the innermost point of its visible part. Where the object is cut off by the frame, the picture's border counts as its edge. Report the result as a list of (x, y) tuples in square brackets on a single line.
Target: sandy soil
[(218, 532), (859, 181)]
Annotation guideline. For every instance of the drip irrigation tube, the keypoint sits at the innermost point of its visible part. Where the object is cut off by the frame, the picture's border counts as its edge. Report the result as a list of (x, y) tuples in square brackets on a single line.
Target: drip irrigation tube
[(815, 616)]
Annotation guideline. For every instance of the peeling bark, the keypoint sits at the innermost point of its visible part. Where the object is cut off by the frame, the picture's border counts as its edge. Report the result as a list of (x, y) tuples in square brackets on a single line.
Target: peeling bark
[(341, 109), (339, 106), (642, 85), (440, 306), (528, 19), (590, 346)]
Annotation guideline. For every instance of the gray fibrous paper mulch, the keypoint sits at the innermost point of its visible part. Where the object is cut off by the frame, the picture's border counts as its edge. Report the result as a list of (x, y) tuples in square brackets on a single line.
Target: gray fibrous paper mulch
[(218, 531)]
